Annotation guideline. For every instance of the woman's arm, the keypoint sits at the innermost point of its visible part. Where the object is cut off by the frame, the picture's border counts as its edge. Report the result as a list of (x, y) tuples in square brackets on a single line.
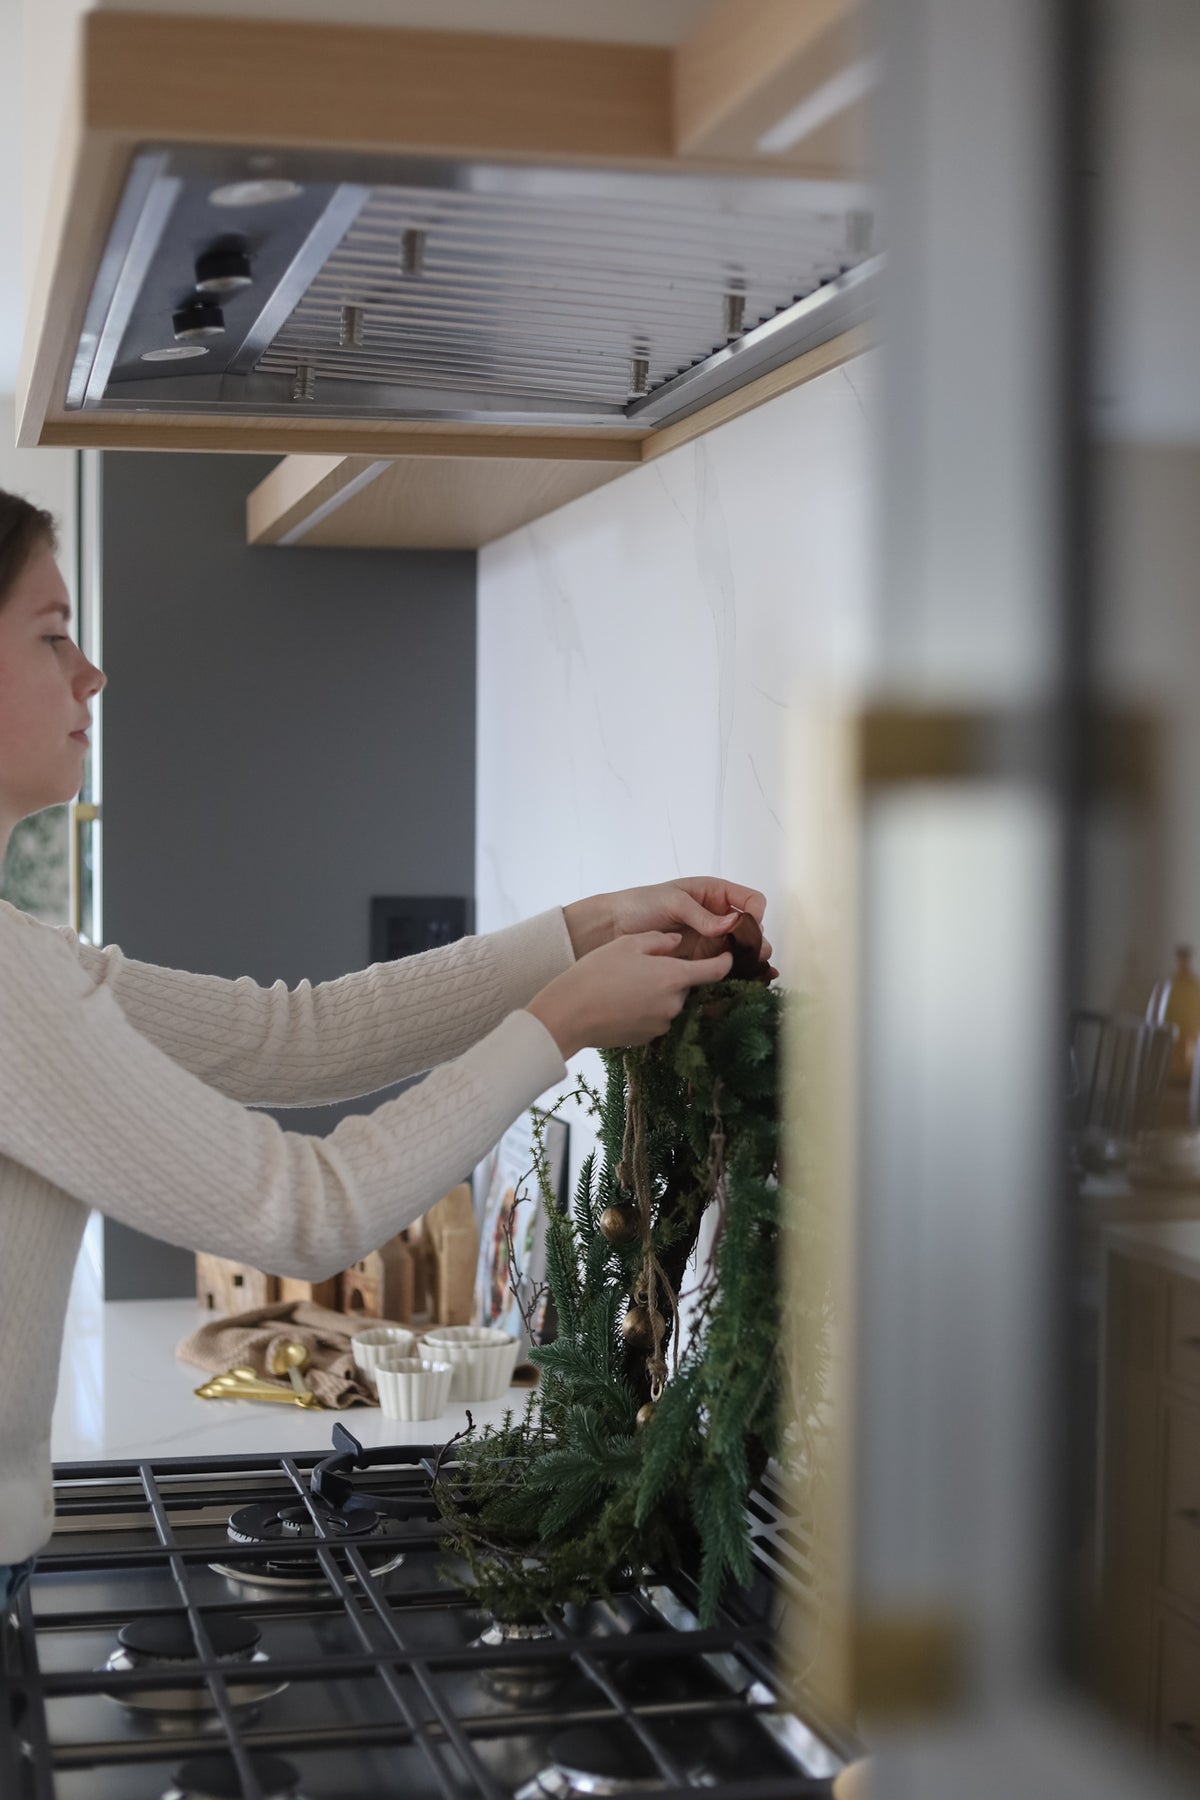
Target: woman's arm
[(271, 1046), (92, 1106), (310, 1045)]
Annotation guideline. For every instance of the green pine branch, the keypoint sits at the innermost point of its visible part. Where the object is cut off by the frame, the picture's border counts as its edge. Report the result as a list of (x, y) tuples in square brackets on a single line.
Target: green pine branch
[(572, 1498)]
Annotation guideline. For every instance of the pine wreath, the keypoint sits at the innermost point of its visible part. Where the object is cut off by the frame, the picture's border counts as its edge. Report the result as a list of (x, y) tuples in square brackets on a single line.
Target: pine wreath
[(636, 1450)]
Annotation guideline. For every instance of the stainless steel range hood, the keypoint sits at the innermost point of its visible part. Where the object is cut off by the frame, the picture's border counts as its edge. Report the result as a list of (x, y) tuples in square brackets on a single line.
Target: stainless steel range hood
[(407, 288), (390, 241)]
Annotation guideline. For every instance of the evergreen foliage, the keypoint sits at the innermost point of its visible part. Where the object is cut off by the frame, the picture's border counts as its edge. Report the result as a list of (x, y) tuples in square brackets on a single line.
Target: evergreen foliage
[(575, 1497)]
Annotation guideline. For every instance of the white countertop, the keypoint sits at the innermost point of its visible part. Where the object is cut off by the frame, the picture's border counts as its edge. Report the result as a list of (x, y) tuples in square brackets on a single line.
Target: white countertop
[(1172, 1243), (122, 1394), (1105, 1198)]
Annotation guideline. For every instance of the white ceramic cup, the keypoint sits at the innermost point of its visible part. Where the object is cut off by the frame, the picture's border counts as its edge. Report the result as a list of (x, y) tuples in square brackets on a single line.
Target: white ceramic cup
[(412, 1387), (380, 1340), (483, 1358)]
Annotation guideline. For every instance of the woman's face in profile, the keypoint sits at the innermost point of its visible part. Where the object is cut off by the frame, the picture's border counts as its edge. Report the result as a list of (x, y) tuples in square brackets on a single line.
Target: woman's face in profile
[(46, 685)]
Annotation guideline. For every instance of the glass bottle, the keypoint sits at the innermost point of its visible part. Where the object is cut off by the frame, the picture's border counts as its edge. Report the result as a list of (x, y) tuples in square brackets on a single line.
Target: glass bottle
[(1176, 1001)]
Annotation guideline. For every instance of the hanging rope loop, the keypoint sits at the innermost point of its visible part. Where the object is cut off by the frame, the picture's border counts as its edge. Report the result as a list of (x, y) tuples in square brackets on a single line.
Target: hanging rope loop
[(651, 1277)]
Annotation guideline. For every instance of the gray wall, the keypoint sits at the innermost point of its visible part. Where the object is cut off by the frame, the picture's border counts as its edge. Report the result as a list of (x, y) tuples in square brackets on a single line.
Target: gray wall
[(286, 733)]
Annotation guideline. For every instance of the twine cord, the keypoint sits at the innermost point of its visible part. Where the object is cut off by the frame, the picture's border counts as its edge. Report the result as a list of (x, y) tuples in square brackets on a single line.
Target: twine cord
[(634, 1175)]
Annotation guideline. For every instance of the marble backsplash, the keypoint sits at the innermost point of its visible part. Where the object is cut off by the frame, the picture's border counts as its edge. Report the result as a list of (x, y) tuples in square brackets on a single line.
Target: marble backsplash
[(640, 652)]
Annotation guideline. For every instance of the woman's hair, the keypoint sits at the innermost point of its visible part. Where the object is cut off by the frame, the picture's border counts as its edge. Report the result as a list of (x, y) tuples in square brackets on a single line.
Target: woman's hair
[(24, 529)]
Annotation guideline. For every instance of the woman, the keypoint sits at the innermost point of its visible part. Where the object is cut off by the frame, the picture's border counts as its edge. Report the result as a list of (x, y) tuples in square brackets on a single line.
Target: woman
[(127, 1087)]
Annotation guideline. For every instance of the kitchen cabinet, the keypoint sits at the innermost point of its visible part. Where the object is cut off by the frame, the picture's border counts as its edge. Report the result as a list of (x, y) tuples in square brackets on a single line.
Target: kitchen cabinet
[(414, 502), (447, 240), (447, 499), (1149, 1558)]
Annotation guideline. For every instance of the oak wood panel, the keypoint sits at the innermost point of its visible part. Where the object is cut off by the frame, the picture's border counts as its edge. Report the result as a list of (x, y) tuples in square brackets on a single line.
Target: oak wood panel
[(750, 62), (1180, 1570), (89, 175), (1183, 1333), (456, 500), (266, 81), (1133, 1361), (294, 489), (1178, 1712), (439, 503), (818, 361), (839, 147), (261, 436)]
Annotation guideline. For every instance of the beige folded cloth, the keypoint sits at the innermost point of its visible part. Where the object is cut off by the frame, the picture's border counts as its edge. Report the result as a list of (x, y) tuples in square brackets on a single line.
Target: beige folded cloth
[(250, 1337)]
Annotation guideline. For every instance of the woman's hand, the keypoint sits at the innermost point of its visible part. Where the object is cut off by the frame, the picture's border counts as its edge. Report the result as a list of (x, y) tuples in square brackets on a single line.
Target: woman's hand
[(624, 993), (705, 902)]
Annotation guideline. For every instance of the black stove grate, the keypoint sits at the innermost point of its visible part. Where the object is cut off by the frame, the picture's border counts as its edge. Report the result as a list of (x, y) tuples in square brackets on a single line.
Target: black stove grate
[(383, 1672)]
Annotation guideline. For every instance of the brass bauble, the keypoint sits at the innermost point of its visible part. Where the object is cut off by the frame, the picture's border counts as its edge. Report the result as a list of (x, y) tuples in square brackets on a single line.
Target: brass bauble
[(637, 1327), (620, 1224), (644, 1415)]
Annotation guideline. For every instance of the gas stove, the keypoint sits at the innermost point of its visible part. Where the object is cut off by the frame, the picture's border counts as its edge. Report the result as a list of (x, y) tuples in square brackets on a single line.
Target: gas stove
[(283, 1628)]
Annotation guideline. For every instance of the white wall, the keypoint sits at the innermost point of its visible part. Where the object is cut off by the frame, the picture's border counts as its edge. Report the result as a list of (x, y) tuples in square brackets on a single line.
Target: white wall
[(47, 477), (642, 650)]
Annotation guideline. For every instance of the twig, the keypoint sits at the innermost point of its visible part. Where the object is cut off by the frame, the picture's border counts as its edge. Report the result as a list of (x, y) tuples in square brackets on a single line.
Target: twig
[(456, 1439), (717, 1185), (538, 1290), (530, 1308)]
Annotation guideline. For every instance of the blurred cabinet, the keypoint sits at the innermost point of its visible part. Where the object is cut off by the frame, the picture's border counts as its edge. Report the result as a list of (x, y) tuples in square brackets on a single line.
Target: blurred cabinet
[(1149, 1555)]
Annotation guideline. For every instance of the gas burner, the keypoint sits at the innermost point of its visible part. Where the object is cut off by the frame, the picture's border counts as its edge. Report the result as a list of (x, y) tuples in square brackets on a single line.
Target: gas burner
[(290, 1526), (217, 1778), (589, 1762), (165, 1641), (528, 1681), (322, 1700)]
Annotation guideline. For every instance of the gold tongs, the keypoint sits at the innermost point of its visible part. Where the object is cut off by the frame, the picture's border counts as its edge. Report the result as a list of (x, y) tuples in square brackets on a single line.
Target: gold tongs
[(247, 1384)]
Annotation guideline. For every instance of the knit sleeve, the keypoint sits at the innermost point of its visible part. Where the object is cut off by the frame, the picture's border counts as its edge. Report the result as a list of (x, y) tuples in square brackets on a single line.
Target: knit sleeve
[(311, 1045), (91, 1105)]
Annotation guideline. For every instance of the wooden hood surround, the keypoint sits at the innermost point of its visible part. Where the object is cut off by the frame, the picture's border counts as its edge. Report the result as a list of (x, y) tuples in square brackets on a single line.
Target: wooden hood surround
[(761, 87)]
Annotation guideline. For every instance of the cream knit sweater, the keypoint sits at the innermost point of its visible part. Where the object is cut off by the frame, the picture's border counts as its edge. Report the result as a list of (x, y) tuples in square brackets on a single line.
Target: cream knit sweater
[(127, 1087)]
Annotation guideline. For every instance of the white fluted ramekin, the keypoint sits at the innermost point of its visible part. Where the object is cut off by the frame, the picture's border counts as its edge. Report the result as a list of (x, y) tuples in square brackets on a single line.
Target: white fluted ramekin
[(483, 1356), (411, 1387), (380, 1340)]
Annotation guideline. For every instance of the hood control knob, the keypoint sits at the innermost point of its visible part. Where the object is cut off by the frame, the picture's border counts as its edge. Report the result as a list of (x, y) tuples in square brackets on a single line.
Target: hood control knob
[(412, 251), (198, 319), (222, 270)]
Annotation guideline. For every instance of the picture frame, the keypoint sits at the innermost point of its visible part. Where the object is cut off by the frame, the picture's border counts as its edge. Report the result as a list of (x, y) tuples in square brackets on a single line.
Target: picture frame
[(510, 1284)]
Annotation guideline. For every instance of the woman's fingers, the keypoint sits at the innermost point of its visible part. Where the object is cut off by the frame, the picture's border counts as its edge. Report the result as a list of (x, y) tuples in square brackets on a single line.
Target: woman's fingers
[(704, 903), (657, 943), (624, 992), (719, 896), (713, 968), (690, 912)]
